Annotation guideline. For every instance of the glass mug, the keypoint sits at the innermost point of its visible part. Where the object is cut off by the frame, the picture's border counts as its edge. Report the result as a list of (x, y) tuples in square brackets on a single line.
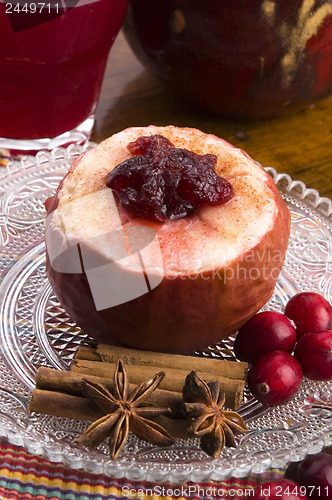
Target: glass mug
[(52, 58)]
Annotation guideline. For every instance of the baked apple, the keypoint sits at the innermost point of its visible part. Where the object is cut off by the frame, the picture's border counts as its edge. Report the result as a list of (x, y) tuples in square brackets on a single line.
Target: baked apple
[(175, 279)]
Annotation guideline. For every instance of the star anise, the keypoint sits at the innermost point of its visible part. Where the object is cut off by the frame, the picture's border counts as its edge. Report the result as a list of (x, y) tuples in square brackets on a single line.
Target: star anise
[(124, 412), (203, 402)]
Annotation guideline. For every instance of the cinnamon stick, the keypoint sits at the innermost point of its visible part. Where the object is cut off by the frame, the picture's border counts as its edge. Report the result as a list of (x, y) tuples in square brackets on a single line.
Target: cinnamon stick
[(68, 382), (63, 405), (174, 380), (111, 354), (67, 406)]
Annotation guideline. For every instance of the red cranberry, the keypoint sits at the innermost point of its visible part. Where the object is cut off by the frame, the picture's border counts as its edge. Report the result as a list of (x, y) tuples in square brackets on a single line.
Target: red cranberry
[(310, 312), (314, 353), (162, 182), (315, 473), (284, 489), (274, 378), (265, 332)]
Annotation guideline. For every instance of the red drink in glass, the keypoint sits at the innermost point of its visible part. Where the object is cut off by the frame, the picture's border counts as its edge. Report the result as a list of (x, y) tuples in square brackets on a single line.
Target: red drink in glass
[(52, 60)]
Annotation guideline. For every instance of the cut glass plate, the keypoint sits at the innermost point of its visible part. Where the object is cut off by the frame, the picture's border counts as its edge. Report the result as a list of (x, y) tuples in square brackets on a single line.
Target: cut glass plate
[(35, 331)]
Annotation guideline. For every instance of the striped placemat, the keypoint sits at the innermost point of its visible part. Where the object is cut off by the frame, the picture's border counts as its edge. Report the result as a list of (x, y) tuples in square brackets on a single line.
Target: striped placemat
[(24, 476)]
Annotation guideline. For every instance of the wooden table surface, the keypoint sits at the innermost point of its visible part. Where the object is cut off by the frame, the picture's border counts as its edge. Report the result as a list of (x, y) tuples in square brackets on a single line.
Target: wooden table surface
[(299, 144)]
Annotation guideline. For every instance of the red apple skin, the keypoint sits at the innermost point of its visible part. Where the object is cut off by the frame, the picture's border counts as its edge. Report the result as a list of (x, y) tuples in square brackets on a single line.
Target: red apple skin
[(315, 473), (314, 353), (283, 489), (184, 313), (252, 61)]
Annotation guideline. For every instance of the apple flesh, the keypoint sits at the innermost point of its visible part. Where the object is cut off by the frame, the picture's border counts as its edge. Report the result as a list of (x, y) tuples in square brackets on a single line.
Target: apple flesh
[(215, 268)]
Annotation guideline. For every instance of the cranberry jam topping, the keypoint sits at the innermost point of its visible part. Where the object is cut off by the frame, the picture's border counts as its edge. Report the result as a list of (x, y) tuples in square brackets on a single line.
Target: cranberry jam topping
[(162, 182)]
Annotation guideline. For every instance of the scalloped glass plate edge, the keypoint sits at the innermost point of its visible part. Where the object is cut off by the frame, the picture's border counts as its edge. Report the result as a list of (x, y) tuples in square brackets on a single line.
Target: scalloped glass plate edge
[(19, 429)]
